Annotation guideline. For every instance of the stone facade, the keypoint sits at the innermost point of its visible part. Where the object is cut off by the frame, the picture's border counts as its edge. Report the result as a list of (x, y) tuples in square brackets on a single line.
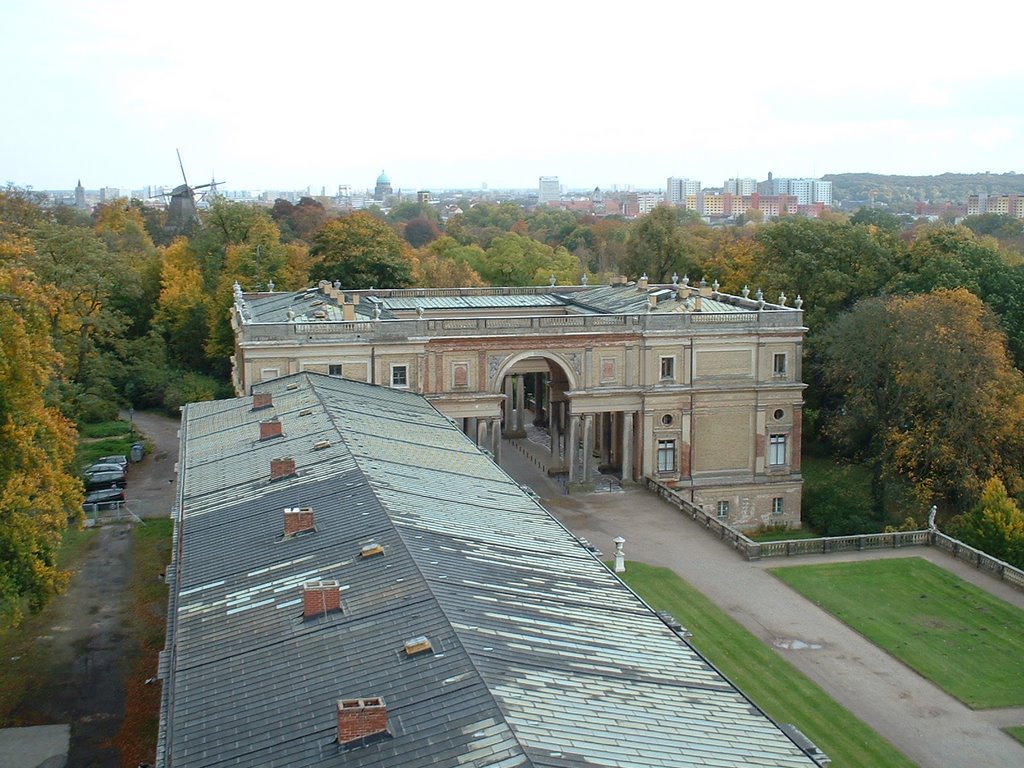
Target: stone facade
[(694, 387)]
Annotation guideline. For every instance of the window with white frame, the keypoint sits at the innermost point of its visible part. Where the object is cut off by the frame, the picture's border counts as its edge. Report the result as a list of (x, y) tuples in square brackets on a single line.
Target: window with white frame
[(723, 509), (779, 364), (666, 455), (399, 376), (778, 507), (668, 367), (776, 450)]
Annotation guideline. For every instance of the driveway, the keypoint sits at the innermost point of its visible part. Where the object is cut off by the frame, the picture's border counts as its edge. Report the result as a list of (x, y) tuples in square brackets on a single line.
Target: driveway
[(930, 727)]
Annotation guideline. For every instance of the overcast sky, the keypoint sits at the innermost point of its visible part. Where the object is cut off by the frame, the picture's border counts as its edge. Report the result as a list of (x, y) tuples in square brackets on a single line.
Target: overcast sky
[(456, 94)]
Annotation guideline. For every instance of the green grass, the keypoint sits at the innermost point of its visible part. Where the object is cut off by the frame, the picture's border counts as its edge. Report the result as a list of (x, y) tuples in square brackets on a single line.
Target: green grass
[(768, 679), (1017, 731), (87, 453), (114, 428), (786, 535), (963, 639)]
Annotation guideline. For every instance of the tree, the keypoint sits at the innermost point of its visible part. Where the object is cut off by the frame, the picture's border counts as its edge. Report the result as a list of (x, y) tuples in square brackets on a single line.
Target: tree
[(922, 388), (656, 247), (513, 260), (446, 264), (995, 525), (182, 307), (421, 231), (38, 490), (360, 251)]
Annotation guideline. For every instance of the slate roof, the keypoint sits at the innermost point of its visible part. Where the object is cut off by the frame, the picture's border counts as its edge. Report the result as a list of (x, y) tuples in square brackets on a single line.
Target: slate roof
[(542, 657)]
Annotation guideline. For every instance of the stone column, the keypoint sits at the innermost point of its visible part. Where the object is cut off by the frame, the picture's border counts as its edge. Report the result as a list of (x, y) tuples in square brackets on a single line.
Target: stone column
[(606, 440), (494, 427), (508, 406), (481, 436), (571, 447), (521, 405), (471, 428), (588, 448), (627, 447), (555, 430)]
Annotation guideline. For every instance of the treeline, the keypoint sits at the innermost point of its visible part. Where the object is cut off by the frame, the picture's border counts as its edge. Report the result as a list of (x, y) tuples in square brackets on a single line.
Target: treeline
[(900, 193), (915, 341)]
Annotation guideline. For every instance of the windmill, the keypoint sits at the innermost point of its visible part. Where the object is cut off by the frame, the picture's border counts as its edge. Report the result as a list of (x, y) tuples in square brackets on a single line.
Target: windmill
[(181, 209)]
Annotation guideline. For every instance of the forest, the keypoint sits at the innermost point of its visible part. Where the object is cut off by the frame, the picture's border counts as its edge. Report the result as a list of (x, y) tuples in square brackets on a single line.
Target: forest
[(913, 354)]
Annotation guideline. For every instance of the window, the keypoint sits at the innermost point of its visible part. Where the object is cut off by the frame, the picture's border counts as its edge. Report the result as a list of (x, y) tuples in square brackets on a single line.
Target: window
[(723, 509), (779, 364), (668, 367), (334, 370), (666, 455), (776, 450), (777, 506), (399, 376)]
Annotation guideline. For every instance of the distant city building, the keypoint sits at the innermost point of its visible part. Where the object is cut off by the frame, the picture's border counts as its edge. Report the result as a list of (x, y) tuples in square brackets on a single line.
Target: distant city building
[(678, 190), (423, 196), (739, 187), (80, 196), (806, 191), (641, 203), (1004, 205), (548, 190), (382, 188)]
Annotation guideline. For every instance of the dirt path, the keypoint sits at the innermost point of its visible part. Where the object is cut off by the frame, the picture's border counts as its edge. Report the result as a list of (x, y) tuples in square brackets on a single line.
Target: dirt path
[(86, 636)]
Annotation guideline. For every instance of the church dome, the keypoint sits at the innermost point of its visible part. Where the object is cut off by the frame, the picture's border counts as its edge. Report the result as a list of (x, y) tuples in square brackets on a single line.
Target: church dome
[(383, 178)]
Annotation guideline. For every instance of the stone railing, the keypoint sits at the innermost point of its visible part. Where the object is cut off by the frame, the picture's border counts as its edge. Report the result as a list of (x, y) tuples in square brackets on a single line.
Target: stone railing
[(514, 325), (826, 545)]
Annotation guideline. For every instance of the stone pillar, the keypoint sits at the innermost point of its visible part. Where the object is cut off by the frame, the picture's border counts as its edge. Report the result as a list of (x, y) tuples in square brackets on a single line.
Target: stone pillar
[(606, 441), (471, 428), (571, 447), (494, 427), (627, 447), (588, 448), (508, 406), (482, 437), (538, 399), (521, 405), (555, 429)]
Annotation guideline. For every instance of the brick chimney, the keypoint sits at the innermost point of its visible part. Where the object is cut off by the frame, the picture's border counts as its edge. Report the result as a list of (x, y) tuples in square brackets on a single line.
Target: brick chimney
[(270, 428), (359, 718), (641, 284), (320, 597), (261, 400), (281, 468), (297, 520)]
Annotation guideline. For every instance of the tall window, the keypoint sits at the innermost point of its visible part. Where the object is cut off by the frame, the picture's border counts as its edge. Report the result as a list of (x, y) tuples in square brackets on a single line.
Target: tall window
[(666, 455), (723, 509), (668, 367), (779, 364), (777, 506), (777, 450), (399, 376)]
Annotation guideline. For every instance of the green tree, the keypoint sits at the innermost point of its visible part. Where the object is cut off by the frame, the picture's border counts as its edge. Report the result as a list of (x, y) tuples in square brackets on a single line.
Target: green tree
[(513, 259), (922, 388), (995, 525), (420, 232), (656, 246), (360, 251), (38, 490), (446, 264)]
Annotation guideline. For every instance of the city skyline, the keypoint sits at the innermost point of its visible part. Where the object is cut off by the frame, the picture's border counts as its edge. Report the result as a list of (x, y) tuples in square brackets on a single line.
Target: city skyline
[(478, 95)]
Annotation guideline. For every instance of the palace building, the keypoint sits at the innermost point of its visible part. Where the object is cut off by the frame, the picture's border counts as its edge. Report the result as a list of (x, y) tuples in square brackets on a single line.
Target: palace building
[(685, 384)]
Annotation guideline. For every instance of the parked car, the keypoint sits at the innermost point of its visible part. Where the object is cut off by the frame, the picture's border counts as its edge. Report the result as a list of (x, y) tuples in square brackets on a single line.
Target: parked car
[(121, 461), (98, 480), (104, 498), (101, 466)]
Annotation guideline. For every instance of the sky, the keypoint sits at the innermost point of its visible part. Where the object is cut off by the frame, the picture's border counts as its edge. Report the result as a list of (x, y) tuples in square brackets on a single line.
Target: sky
[(459, 94)]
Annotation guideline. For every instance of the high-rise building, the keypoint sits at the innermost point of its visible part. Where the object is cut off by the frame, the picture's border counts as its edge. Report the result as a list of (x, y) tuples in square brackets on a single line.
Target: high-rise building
[(80, 195), (822, 192), (740, 186), (677, 190), (548, 190)]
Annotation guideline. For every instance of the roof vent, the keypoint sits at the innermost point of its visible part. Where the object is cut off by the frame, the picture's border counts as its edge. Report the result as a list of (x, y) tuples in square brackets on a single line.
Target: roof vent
[(361, 718), (306, 412), (371, 550), (418, 645), (281, 468), (261, 400), (321, 444), (292, 387), (269, 429), (297, 520), (320, 597)]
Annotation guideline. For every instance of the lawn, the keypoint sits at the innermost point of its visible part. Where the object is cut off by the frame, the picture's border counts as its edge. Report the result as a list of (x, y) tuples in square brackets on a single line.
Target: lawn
[(768, 679), (784, 535), (1017, 731), (963, 639)]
